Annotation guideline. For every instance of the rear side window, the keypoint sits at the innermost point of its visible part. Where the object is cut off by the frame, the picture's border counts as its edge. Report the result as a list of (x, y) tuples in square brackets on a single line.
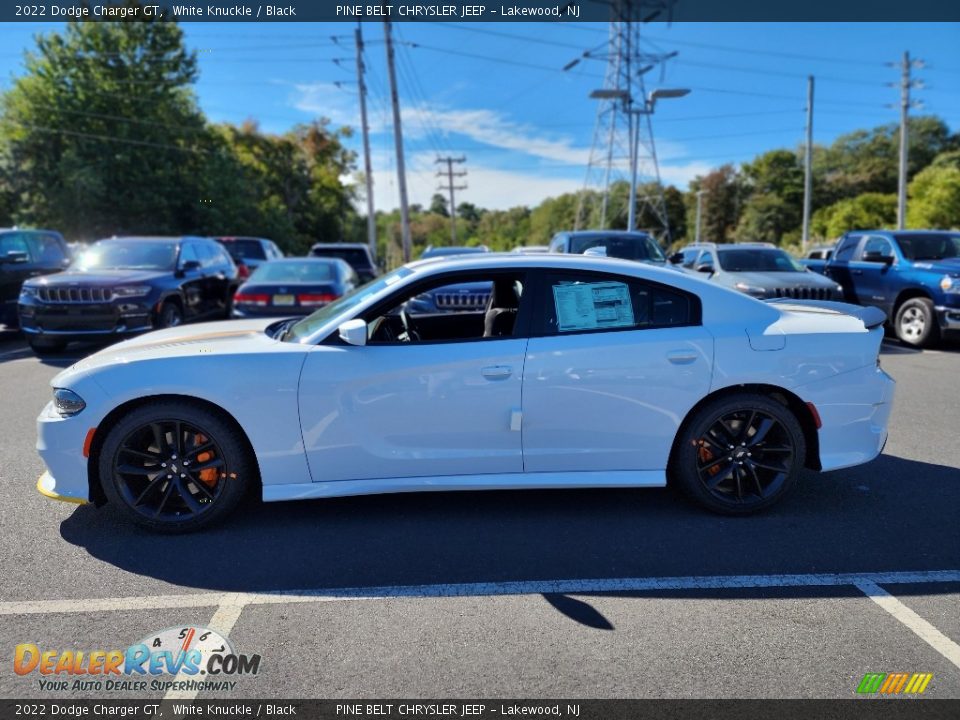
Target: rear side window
[(588, 302), (846, 247)]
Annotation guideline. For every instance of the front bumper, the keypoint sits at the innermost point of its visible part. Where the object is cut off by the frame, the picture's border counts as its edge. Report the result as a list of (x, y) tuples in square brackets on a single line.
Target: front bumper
[(87, 321), (60, 443), (948, 317)]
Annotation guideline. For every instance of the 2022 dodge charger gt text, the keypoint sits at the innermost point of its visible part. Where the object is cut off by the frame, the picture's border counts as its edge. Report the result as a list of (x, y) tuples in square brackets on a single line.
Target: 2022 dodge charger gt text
[(580, 372)]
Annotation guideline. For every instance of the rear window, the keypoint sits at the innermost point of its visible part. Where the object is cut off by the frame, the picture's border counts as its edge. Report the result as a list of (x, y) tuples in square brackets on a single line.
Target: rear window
[(294, 272), (355, 256), (639, 247), (245, 249)]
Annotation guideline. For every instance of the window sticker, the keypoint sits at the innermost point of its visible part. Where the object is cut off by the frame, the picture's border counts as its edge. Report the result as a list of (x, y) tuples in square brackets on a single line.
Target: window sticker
[(591, 306)]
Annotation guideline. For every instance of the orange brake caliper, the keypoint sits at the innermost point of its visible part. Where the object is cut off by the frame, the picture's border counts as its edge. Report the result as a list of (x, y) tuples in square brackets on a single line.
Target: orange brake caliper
[(208, 476)]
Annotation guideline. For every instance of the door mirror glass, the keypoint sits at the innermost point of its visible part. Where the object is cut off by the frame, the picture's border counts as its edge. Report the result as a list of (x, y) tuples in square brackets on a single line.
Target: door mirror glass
[(705, 268), (190, 265), (875, 256), (353, 332)]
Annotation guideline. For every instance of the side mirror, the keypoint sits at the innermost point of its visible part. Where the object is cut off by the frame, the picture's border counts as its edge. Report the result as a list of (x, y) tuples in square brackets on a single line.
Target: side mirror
[(353, 332), (676, 258), (14, 256), (189, 265), (875, 257), (705, 268)]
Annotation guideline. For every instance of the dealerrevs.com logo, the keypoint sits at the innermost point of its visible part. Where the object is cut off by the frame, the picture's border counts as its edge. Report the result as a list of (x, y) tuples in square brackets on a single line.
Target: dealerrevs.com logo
[(200, 658)]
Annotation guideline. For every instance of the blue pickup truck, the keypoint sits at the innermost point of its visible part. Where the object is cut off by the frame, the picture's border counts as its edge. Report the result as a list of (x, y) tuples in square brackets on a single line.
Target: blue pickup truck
[(912, 275)]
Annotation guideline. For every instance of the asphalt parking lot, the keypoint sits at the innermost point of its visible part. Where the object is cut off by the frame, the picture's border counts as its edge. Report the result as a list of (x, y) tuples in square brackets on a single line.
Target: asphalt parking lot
[(530, 594)]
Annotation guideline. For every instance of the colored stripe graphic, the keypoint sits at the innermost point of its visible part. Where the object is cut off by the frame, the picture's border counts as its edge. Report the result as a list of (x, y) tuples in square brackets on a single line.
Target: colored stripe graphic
[(894, 683)]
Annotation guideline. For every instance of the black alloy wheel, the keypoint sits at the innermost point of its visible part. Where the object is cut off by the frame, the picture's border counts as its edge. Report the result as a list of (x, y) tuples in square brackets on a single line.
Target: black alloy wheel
[(739, 454), (175, 467), (170, 315)]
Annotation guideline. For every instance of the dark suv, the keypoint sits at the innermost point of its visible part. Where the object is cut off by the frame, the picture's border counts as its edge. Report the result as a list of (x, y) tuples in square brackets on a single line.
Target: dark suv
[(123, 286), (25, 254), (357, 256), (249, 252)]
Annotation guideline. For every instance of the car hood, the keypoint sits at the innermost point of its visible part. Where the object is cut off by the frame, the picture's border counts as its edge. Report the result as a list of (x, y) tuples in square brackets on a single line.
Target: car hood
[(949, 266), (74, 278), (781, 279), (207, 339)]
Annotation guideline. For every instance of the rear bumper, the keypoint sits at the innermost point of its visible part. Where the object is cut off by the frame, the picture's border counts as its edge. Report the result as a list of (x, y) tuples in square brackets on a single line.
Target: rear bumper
[(854, 408)]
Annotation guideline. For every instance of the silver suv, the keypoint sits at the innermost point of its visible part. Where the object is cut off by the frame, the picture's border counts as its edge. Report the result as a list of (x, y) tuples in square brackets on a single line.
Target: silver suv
[(761, 270)]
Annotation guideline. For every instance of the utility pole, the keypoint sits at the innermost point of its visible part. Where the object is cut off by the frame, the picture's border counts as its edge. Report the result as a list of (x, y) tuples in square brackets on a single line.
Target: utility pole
[(367, 169), (700, 194), (398, 141), (808, 168), (906, 65), (451, 187)]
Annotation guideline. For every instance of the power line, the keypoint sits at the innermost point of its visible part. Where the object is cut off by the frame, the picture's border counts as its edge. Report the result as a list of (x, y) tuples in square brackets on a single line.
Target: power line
[(105, 138)]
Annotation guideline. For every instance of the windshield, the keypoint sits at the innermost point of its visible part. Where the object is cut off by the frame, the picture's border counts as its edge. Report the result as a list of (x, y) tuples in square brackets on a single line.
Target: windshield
[(758, 260), (625, 247), (305, 271), (133, 254), (244, 249), (929, 246), (355, 256), (311, 323)]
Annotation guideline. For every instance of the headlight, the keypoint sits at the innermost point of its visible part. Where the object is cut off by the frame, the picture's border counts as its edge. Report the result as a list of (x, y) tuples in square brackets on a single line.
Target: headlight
[(950, 284), (751, 289), (28, 291), (67, 402), (130, 291)]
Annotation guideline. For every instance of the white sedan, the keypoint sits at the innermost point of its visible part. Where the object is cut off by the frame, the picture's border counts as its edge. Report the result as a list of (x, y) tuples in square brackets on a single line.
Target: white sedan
[(581, 372)]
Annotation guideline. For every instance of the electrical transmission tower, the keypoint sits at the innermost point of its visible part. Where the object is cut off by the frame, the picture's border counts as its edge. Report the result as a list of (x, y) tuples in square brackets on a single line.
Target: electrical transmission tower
[(624, 123), (450, 187)]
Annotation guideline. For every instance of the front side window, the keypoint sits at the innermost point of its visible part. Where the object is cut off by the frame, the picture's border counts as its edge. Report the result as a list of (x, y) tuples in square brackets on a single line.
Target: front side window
[(47, 249), (878, 245), (591, 302), (13, 243)]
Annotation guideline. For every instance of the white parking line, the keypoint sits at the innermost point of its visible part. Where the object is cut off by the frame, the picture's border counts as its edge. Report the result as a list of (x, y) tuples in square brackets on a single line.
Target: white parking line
[(222, 621), (533, 587), (924, 630)]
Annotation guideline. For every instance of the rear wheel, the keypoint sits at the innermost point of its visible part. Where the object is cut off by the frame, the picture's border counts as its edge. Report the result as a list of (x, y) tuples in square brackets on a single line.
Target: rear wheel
[(916, 323), (739, 454), (46, 346), (175, 467)]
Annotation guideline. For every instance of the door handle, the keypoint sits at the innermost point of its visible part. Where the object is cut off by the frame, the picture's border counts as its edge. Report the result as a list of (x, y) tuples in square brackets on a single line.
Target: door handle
[(856, 272), (496, 372), (681, 357)]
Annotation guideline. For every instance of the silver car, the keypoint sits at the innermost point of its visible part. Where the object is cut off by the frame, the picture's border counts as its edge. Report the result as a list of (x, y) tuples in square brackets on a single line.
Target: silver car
[(761, 270)]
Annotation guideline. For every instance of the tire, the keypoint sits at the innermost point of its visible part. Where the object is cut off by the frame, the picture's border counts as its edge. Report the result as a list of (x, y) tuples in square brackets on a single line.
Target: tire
[(46, 346), (151, 439), (916, 324), (767, 451), (170, 314)]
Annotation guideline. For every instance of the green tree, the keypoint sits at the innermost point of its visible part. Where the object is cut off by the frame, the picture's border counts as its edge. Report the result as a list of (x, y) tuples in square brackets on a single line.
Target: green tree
[(438, 205), (102, 133), (934, 198), (721, 204), (864, 212)]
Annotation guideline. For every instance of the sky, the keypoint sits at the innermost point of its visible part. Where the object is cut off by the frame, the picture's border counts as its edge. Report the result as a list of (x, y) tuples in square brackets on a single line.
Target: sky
[(497, 93)]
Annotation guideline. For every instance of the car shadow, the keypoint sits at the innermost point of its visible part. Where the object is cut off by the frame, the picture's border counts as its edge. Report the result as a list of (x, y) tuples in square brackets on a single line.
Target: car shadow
[(891, 515)]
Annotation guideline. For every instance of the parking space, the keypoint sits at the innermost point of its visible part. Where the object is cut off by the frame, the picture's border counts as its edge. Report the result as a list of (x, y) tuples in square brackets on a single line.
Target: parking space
[(564, 593)]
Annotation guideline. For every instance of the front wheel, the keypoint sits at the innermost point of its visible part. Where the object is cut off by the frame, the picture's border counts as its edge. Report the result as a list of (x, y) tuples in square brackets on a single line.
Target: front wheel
[(738, 455), (916, 323), (170, 315), (175, 467)]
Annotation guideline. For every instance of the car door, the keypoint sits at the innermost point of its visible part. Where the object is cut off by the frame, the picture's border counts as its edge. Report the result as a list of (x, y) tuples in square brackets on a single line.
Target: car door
[(413, 409), (838, 267), (872, 278), (217, 270), (613, 366)]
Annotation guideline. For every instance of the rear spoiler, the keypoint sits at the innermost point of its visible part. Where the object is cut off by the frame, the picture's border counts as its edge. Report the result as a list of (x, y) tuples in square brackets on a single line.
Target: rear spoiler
[(871, 317)]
